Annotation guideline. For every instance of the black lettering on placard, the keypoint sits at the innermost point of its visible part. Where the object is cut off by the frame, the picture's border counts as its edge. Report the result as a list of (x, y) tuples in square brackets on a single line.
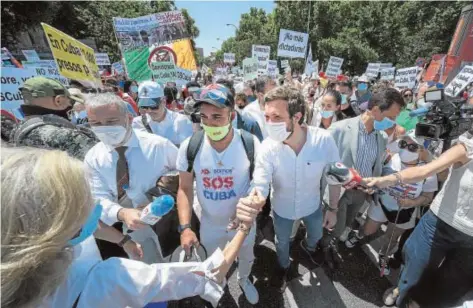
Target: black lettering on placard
[(467, 70), (86, 70), (8, 80), (288, 36), (40, 71), (68, 66), (463, 77), (69, 48), (9, 96), (54, 42)]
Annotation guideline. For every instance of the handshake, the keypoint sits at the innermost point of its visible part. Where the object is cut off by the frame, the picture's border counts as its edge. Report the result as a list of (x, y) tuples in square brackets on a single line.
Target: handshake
[(247, 210)]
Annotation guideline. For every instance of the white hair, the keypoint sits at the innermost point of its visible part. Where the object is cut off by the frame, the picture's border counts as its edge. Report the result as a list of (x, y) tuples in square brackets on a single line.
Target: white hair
[(105, 99)]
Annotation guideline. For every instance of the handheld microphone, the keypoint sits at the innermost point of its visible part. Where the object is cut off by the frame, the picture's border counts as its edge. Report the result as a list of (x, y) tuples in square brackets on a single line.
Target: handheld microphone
[(419, 112), (339, 174)]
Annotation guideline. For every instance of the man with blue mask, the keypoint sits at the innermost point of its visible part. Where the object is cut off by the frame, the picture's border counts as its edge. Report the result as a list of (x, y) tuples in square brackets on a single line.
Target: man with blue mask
[(362, 145), (362, 94), (348, 100)]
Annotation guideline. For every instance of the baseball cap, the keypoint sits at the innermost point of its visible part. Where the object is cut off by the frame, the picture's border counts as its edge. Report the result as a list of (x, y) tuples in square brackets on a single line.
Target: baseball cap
[(411, 134), (150, 94), (363, 78), (47, 87), (216, 95)]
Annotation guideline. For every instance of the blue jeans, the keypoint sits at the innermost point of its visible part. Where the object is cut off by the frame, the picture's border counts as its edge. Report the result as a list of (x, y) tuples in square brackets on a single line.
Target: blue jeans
[(431, 242), (283, 229)]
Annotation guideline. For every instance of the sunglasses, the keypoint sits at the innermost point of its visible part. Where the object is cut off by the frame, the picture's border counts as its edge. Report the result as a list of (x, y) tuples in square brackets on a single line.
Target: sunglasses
[(407, 95), (410, 147), (150, 107)]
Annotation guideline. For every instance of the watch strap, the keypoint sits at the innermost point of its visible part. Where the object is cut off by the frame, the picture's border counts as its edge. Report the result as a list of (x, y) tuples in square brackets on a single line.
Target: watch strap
[(183, 227), (125, 239)]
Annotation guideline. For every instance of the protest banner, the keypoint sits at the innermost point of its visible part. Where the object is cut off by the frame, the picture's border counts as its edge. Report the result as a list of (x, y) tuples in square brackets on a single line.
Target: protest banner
[(164, 71), (235, 70), (102, 59), (334, 67), (74, 59), (461, 80), (284, 63), (41, 63), (183, 76), (250, 68), (31, 55), (11, 80), (420, 62), (261, 53), (229, 58), (273, 68), (160, 37), (406, 77), (292, 44), (205, 69), (372, 70), (385, 65), (52, 73), (435, 70), (309, 63), (388, 73), (117, 68), (221, 72)]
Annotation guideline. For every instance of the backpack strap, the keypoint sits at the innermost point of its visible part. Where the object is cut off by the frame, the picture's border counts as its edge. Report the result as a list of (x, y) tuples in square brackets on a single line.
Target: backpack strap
[(239, 120), (249, 145), (144, 120), (193, 147), (36, 121)]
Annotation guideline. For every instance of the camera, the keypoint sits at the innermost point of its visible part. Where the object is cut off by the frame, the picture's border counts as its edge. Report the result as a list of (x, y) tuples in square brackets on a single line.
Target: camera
[(447, 118)]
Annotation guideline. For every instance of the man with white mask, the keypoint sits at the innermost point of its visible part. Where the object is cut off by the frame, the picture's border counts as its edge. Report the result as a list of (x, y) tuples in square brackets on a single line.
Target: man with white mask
[(124, 166), (158, 119), (292, 160)]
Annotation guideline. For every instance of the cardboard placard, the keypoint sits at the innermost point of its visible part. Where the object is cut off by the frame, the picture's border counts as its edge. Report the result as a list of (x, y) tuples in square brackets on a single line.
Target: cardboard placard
[(292, 44)]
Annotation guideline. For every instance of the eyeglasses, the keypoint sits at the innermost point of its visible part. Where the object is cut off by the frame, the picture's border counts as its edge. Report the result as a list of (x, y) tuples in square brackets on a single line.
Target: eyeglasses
[(150, 107), (407, 95), (410, 147)]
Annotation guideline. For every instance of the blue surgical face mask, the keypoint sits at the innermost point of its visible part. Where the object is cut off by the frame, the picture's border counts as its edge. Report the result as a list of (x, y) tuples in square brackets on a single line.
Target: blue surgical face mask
[(121, 83), (362, 87), (384, 124), (327, 113), (76, 116), (89, 226), (251, 98), (344, 99), (134, 89)]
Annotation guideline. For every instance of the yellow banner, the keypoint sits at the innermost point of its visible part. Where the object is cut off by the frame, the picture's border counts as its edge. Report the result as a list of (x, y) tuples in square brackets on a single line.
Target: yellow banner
[(185, 55), (74, 59)]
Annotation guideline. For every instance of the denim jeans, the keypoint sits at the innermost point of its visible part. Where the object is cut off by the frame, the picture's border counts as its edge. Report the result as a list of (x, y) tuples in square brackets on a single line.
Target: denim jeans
[(283, 230), (431, 242)]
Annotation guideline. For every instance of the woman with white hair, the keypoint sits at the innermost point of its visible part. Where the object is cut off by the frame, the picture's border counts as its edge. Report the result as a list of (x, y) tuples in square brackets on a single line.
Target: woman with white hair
[(47, 209)]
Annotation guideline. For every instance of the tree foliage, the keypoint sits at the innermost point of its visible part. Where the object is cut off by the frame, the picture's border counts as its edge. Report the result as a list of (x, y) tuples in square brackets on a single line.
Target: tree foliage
[(360, 32)]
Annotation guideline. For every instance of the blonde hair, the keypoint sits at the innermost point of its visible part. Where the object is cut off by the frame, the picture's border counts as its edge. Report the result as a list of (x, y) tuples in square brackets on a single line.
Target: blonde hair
[(45, 201)]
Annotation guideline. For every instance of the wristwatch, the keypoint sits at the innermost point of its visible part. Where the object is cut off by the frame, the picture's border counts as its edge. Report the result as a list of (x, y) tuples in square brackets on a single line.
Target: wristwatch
[(183, 227), (125, 239)]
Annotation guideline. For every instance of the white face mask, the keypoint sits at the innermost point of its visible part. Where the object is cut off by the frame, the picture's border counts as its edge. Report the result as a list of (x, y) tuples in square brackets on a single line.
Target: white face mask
[(393, 147), (277, 131), (110, 135), (407, 156)]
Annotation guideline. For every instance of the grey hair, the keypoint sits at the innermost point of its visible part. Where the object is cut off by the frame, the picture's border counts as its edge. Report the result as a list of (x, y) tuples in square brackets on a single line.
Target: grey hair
[(105, 99)]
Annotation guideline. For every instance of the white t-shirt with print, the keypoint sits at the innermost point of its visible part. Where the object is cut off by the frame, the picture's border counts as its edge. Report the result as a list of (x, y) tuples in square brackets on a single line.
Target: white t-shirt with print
[(411, 191), (219, 186)]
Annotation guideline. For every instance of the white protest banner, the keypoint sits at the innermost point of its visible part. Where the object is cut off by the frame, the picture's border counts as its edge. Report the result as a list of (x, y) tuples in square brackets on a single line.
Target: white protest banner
[(183, 76), (406, 77), (164, 71), (284, 63), (52, 73), (235, 70), (388, 73), (385, 65), (261, 53), (250, 68), (118, 68), (221, 72), (461, 80), (31, 55), (102, 59), (372, 70), (292, 44), (334, 66), (309, 63), (41, 63), (272, 68), (229, 58), (12, 79)]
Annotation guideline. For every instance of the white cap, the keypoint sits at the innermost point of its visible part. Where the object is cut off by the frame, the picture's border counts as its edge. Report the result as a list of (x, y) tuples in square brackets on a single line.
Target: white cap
[(363, 78), (149, 92), (412, 135)]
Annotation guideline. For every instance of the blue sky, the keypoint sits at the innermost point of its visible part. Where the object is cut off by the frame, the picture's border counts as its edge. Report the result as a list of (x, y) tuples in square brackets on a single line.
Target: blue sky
[(211, 18)]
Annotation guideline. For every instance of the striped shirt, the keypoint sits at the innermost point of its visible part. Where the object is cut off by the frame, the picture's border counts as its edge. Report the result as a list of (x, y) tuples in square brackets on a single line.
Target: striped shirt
[(367, 151)]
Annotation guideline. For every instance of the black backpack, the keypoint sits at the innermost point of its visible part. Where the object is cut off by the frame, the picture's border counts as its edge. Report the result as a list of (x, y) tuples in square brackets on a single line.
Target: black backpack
[(198, 138)]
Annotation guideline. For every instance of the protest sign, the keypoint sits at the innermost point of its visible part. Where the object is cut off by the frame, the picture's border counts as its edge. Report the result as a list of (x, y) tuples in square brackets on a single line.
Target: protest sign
[(74, 59), (420, 62), (316, 66), (52, 73), (309, 63), (164, 72), (388, 73), (385, 65), (221, 72), (235, 70), (292, 44), (334, 66), (160, 37), (183, 76), (41, 63), (435, 70), (118, 68), (261, 53), (406, 77), (102, 58), (250, 68), (372, 70), (229, 58), (272, 68), (205, 69), (31, 55), (461, 80), (12, 79), (284, 63)]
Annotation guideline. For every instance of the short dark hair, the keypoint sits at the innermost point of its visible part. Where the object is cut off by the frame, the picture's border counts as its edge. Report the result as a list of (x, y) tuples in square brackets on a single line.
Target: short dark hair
[(261, 83), (293, 97), (242, 97), (345, 84), (385, 98), (226, 83), (335, 94)]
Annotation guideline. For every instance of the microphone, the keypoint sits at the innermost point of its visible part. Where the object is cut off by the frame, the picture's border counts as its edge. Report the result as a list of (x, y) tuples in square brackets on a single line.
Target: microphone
[(419, 112), (339, 174)]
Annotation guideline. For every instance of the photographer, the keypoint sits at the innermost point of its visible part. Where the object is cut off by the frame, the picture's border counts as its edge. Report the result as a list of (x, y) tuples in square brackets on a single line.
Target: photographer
[(446, 229)]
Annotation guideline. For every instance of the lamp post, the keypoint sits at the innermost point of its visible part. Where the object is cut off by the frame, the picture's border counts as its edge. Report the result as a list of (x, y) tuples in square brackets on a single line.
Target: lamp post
[(236, 28)]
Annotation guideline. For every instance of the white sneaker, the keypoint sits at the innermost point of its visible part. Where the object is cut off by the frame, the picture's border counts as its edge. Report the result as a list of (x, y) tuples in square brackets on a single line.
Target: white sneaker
[(345, 234), (250, 291)]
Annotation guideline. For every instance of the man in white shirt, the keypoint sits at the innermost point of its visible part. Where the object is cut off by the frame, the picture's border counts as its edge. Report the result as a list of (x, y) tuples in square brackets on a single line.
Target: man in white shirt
[(292, 161), (124, 166), (255, 109), (158, 119), (221, 167)]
